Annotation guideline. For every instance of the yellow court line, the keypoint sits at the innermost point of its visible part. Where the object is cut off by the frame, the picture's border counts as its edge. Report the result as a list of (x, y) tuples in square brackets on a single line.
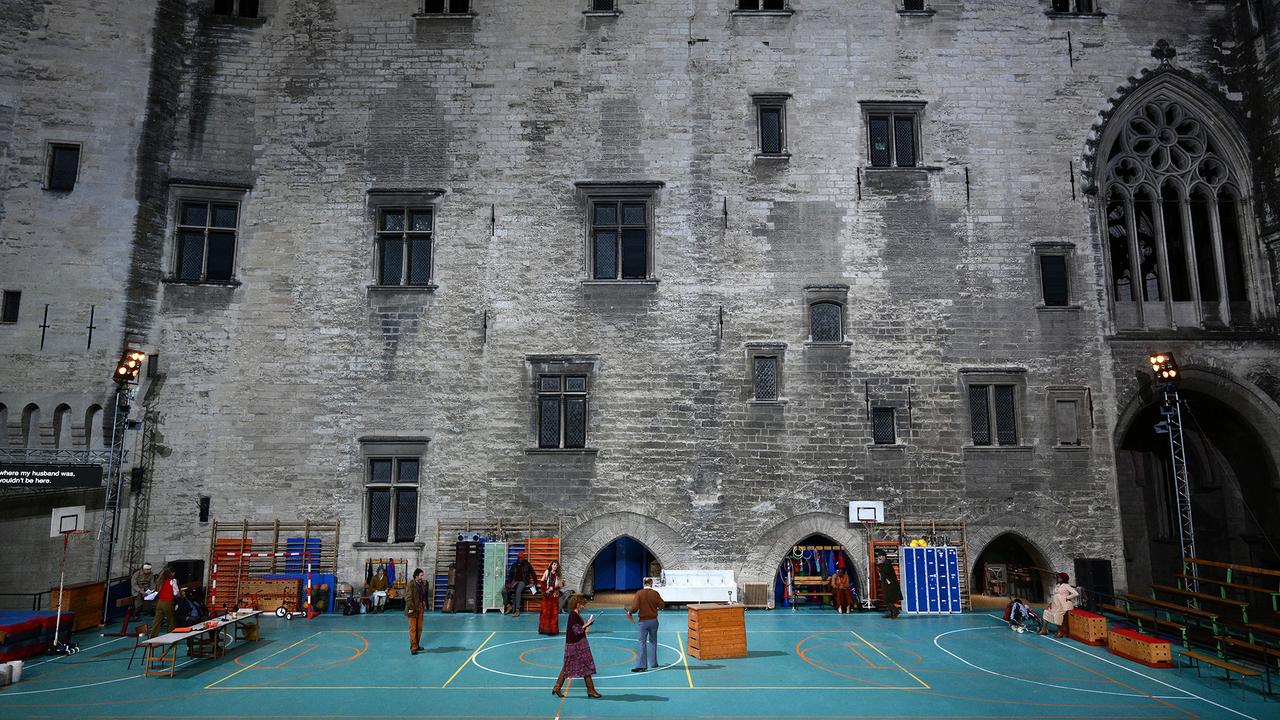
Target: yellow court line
[(685, 657), (464, 662), (895, 662), (246, 667)]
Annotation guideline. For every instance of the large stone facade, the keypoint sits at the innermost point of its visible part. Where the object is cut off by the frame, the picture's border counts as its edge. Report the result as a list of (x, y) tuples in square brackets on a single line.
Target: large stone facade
[(506, 120)]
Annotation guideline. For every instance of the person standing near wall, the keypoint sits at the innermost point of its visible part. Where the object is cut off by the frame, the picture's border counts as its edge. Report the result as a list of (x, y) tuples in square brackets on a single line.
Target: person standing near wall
[(646, 603), (166, 593), (890, 590), (415, 603), (1060, 604)]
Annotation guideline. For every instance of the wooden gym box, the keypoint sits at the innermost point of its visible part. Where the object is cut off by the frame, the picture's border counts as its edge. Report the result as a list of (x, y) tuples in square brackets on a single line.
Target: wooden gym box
[(83, 599), (717, 631), (1089, 628), (1130, 644)]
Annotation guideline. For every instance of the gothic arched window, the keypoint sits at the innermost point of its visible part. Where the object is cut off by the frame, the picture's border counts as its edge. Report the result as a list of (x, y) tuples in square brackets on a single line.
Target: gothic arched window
[(1173, 219)]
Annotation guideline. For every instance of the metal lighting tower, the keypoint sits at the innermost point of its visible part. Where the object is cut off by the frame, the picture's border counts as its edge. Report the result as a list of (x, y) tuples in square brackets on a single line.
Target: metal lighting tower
[(126, 378), (1167, 377)]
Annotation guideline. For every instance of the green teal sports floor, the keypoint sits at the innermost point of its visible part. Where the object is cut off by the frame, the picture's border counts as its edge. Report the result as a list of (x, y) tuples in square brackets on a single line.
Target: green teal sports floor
[(806, 664)]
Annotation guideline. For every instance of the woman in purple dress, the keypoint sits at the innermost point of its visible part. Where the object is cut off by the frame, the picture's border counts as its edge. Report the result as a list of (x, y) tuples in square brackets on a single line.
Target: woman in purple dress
[(577, 653)]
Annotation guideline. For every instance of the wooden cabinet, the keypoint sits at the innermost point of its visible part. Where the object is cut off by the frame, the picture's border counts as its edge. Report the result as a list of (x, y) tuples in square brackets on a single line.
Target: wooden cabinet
[(717, 631), (85, 600)]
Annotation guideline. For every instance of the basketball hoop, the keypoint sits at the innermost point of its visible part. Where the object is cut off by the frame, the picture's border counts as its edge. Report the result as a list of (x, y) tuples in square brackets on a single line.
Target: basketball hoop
[(58, 647), (868, 525)]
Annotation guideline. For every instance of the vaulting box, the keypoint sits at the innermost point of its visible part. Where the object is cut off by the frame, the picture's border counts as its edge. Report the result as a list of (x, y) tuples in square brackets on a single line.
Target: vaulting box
[(1152, 652), (717, 631), (1089, 628)]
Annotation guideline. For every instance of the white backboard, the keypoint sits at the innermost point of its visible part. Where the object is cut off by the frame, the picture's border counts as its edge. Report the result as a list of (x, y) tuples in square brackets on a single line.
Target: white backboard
[(866, 511), (66, 519)]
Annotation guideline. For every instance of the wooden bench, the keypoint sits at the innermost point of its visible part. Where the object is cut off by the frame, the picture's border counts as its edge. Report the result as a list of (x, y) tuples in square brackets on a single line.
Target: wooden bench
[(1232, 569), (1229, 585), (1227, 667), (1196, 597), (1172, 608), (1167, 626), (799, 582)]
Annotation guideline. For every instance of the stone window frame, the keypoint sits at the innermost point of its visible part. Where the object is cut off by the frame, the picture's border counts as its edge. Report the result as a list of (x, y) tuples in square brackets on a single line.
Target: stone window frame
[(991, 377), (1072, 9), (197, 191), (762, 102), (760, 10), (536, 366), (893, 420), (591, 192), (426, 11), (923, 9), (1081, 397), (236, 7), (1067, 252), (837, 294), (393, 448), (762, 349), (895, 108), (10, 307), (51, 150), (596, 11), (380, 199)]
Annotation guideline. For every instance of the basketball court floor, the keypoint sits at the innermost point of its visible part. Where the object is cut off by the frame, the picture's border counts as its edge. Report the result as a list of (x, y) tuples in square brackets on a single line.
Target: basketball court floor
[(801, 664)]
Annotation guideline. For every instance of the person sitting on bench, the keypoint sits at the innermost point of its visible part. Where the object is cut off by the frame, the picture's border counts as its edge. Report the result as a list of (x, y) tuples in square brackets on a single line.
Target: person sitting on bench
[(142, 583), (519, 576), (377, 590)]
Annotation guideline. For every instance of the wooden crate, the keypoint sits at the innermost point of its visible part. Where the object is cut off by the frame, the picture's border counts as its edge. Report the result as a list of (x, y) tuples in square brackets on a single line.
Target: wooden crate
[(717, 631), (1089, 628), (1130, 644), (84, 599)]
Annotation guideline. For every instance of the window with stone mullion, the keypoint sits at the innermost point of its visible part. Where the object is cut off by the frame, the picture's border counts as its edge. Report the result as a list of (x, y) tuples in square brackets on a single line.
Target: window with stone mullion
[(562, 411), (620, 240), (206, 241), (393, 499), (404, 246)]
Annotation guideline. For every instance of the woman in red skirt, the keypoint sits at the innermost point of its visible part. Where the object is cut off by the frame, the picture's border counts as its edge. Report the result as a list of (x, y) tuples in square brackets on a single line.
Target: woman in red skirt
[(549, 617), (577, 653)]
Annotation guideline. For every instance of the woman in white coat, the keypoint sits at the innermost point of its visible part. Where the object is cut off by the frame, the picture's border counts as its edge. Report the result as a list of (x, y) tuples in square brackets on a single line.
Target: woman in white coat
[(1063, 600)]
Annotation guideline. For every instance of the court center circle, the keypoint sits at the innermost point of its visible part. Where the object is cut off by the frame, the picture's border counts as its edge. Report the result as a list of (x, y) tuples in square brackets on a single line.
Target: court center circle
[(475, 660)]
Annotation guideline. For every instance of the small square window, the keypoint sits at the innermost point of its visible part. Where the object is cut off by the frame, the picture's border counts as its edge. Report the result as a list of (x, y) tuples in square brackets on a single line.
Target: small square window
[(913, 5), (1053, 280), (404, 246), (762, 5), (765, 369), (603, 6), (893, 133), (206, 241), (9, 306), (236, 8), (883, 431), (64, 167), (825, 324), (1078, 7)]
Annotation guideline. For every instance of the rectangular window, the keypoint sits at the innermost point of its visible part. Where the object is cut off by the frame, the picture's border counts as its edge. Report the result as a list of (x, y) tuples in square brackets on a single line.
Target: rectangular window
[(1053, 280), (883, 431), (771, 129), (236, 8), (393, 499), (765, 369), (892, 138), (1066, 414), (620, 239), (825, 324), (993, 414), (404, 246), (913, 5), (446, 6), (562, 411), (762, 5), (64, 167), (206, 245), (1080, 7), (602, 6), (9, 306)]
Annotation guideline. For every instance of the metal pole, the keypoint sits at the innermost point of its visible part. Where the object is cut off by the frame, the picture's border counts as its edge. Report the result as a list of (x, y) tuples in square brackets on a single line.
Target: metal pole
[(111, 505), (1172, 411)]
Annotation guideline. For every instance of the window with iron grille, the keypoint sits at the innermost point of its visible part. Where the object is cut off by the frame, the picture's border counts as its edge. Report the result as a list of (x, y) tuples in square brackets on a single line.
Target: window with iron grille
[(893, 138), (762, 5), (236, 8), (765, 371), (771, 123), (446, 6), (392, 489), (1078, 7), (620, 239), (64, 167), (883, 430), (913, 5), (993, 414), (825, 322), (206, 242), (562, 411), (603, 6), (1053, 280), (9, 308), (404, 246)]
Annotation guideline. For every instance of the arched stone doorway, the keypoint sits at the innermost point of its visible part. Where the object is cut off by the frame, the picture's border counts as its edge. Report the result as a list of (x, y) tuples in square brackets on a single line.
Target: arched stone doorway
[(816, 556), (1235, 486), (1010, 566), (581, 545), (621, 566)]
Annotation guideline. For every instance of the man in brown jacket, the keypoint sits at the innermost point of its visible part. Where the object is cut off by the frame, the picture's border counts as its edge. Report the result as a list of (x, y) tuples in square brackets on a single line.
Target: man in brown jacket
[(646, 603), (415, 603)]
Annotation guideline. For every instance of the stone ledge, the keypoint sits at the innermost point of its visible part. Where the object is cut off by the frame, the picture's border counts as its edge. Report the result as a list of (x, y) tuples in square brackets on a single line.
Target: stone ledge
[(841, 345), (602, 13), (402, 288), (1072, 448), (444, 16), (1074, 15), (884, 446), (646, 283), (762, 13), (981, 449), (782, 157), (927, 12), (1059, 308), (232, 283), (562, 451), (379, 546)]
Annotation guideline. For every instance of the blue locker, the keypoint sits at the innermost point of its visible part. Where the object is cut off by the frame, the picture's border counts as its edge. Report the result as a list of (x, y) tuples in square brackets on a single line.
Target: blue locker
[(930, 579), (932, 596)]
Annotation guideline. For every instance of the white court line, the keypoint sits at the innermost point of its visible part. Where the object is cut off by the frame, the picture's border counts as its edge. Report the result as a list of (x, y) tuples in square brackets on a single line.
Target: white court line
[(42, 662), (87, 685), (1044, 684)]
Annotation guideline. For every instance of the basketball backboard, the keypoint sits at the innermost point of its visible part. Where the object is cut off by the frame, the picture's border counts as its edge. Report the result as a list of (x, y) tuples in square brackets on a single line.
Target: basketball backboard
[(866, 511), (66, 519)]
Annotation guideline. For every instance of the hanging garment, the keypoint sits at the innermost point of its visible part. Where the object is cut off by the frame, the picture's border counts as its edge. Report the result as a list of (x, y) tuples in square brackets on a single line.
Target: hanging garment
[(391, 573), (368, 572)]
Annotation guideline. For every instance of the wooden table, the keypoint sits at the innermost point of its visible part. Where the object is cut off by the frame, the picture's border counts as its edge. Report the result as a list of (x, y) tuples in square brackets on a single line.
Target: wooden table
[(717, 631), (163, 650)]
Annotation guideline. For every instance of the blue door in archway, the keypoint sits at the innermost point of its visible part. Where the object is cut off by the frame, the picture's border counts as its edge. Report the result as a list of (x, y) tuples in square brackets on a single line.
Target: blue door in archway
[(621, 565)]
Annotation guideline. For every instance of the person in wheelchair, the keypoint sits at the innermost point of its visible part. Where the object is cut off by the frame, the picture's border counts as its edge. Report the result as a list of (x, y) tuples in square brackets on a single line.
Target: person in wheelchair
[(1020, 617)]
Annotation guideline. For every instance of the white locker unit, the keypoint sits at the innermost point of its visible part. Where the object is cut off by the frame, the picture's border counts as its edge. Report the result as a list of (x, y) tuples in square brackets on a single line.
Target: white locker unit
[(930, 580)]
